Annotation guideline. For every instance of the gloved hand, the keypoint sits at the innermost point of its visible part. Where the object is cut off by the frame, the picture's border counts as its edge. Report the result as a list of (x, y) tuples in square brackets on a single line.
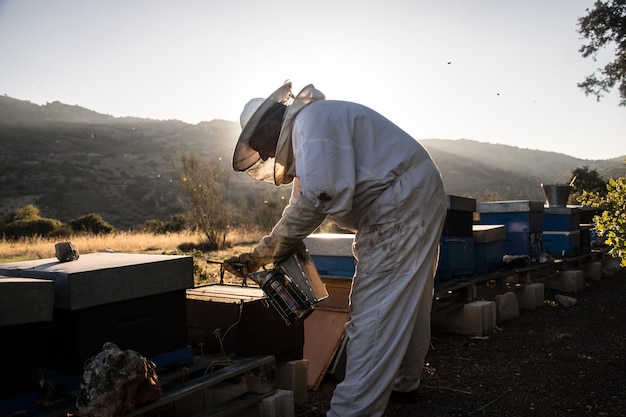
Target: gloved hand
[(285, 247), (243, 264)]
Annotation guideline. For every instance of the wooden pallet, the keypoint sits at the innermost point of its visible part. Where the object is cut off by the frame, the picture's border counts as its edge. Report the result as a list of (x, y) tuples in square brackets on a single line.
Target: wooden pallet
[(213, 386), (454, 293)]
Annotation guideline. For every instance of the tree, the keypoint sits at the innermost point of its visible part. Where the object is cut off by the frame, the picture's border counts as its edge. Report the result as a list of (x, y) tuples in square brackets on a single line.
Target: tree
[(268, 212), (604, 26), (205, 186), (586, 180), (611, 223)]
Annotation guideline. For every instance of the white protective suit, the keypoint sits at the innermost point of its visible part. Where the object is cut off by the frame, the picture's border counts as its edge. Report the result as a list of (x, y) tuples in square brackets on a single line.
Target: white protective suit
[(371, 177)]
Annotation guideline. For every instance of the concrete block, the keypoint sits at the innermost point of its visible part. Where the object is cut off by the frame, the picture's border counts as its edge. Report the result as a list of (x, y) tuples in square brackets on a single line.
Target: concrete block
[(530, 296), (593, 271), (330, 244), (475, 318), (507, 307), (278, 405), (292, 376), (568, 281), (103, 278), (25, 300)]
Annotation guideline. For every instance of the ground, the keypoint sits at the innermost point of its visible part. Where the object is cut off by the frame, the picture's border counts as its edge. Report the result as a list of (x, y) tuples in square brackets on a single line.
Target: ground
[(551, 361)]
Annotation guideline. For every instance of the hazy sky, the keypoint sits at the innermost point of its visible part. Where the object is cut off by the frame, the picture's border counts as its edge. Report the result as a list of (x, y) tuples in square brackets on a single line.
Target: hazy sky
[(499, 71)]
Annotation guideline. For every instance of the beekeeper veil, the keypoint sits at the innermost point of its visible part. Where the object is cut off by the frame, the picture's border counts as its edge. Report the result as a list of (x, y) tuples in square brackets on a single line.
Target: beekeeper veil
[(281, 169), (245, 158)]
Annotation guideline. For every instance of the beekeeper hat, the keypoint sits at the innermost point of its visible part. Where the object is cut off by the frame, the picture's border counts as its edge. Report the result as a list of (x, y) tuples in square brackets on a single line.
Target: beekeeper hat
[(244, 157), (249, 109)]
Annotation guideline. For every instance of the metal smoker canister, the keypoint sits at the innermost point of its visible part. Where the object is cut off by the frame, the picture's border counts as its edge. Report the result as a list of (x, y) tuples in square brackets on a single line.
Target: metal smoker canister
[(293, 287)]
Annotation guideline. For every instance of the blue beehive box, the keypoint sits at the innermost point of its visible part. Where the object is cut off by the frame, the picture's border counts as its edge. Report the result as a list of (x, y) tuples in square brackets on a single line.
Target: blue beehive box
[(488, 247), (334, 266), (332, 253), (562, 244), (523, 223), (456, 257), (561, 219)]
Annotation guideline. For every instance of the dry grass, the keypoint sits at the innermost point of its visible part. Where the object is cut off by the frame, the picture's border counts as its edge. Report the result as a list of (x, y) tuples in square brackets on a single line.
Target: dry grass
[(185, 243)]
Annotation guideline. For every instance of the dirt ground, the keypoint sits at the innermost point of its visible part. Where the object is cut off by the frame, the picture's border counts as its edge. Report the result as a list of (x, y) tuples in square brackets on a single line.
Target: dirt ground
[(551, 361)]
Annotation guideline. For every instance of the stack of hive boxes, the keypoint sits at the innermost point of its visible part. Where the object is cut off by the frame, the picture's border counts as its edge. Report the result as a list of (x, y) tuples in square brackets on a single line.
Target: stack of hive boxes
[(561, 231), (25, 316), (523, 224), (456, 257), (488, 247), (135, 301), (230, 318)]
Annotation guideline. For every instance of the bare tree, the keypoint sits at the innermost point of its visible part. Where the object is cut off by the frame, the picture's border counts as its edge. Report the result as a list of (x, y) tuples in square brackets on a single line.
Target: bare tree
[(206, 185)]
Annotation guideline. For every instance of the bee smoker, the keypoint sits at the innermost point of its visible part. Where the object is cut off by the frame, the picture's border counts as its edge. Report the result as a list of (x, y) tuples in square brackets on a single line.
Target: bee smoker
[(293, 287)]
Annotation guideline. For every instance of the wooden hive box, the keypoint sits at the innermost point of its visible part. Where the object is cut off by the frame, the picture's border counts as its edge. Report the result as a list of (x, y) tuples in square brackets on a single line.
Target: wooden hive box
[(244, 321), (135, 301)]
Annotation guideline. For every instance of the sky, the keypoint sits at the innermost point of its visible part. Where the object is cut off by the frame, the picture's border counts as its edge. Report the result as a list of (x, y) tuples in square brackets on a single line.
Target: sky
[(497, 71)]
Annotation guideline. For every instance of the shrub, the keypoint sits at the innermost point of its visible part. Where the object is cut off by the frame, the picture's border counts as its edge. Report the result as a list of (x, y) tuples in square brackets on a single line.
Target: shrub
[(91, 223), (611, 223), (35, 227)]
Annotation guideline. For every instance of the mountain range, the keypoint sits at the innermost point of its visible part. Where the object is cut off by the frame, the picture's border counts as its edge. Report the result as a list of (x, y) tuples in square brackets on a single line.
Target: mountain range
[(69, 161)]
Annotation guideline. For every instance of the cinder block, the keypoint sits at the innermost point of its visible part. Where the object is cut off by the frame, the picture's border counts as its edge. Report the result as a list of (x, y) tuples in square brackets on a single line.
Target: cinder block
[(530, 296), (507, 307), (292, 376), (568, 281), (278, 405), (475, 318), (593, 271), (25, 300)]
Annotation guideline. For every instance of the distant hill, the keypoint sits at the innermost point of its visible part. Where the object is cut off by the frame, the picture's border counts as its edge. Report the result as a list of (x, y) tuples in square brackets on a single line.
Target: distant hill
[(70, 161)]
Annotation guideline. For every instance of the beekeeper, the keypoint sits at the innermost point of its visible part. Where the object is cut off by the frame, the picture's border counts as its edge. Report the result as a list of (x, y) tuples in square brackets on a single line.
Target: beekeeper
[(352, 165)]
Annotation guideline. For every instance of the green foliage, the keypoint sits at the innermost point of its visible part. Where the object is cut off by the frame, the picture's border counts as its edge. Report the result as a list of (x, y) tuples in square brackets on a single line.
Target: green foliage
[(26, 221), (201, 274), (604, 26), (33, 227), (586, 179), (91, 223), (28, 212), (611, 224)]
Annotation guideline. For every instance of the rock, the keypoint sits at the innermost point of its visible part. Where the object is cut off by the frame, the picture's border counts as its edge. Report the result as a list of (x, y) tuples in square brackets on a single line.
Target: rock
[(115, 381), (566, 301), (516, 261), (611, 267), (66, 251)]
